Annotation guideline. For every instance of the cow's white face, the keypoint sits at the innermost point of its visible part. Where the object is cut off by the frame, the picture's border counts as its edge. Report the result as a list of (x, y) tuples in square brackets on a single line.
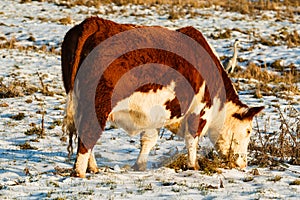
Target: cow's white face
[(234, 137)]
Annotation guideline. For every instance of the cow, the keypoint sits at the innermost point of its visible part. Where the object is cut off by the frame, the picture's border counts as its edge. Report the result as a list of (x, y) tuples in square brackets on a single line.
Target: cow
[(147, 85)]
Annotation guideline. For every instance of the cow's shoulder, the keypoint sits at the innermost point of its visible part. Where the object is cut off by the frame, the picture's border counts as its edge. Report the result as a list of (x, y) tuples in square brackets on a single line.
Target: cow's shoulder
[(200, 39)]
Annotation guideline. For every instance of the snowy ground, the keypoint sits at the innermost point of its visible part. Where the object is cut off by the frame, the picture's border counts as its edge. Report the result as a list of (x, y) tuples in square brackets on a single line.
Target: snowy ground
[(38, 172)]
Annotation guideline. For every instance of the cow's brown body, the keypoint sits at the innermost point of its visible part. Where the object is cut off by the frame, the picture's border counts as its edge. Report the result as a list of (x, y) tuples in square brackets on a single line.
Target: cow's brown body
[(119, 82)]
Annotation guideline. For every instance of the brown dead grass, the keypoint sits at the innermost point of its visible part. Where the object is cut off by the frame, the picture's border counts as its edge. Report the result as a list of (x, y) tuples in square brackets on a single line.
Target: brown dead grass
[(269, 149), (254, 71), (65, 20), (271, 83), (221, 34), (15, 88), (281, 37), (27, 145), (18, 117), (34, 131), (45, 91), (12, 44), (242, 6), (207, 165), (295, 182), (63, 171)]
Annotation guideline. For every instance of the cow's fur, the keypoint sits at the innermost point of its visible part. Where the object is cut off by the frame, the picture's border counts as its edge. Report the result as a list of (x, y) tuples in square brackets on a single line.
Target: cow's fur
[(145, 109)]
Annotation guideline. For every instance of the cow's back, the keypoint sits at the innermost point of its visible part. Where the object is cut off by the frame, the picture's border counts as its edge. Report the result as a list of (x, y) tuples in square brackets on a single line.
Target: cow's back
[(80, 40)]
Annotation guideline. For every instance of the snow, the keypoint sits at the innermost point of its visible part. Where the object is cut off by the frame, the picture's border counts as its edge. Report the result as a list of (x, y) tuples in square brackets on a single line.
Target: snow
[(33, 174)]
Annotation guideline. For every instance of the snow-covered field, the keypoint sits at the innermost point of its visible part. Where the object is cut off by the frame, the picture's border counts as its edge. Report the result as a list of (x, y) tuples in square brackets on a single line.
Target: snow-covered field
[(33, 166)]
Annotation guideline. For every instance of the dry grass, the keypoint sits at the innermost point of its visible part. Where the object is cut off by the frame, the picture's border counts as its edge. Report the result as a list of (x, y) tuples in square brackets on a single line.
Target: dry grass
[(243, 6), (55, 123), (18, 116), (293, 39), (27, 145), (12, 43), (272, 148), (275, 178), (97, 3), (208, 164), (221, 34), (281, 37), (272, 83), (63, 171), (66, 20), (295, 182), (34, 131), (15, 88), (45, 91), (254, 71)]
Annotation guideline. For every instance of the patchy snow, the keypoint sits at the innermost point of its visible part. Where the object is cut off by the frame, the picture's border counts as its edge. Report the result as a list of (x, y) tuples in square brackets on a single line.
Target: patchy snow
[(33, 173)]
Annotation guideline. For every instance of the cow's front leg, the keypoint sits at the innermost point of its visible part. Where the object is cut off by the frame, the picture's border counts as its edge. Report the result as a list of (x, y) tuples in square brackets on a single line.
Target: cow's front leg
[(148, 140), (82, 160), (191, 145)]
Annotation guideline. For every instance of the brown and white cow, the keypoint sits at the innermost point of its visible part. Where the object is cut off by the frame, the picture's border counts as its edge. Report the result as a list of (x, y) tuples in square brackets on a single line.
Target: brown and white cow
[(155, 77)]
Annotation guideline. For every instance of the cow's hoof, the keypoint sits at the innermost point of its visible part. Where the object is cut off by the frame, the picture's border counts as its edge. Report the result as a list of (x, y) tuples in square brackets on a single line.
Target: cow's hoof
[(196, 167), (139, 167), (74, 173), (93, 170)]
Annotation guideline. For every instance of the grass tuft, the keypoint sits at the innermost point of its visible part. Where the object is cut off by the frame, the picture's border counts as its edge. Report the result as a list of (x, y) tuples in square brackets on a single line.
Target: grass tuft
[(15, 88), (242, 6), (268, 149), (248, 178), (275, 178), (34, 130), (65, 20), (270, 83), (27, 145), (295, 182), (208, 165), (18, 116)]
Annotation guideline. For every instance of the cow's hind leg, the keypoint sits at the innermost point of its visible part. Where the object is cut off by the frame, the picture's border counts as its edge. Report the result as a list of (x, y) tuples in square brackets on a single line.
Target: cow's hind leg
[(191, 145), (82, 160), (148, 140)]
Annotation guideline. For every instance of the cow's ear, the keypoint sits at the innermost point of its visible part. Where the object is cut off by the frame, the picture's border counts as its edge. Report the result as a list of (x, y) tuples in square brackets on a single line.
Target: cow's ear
[(249, 113)]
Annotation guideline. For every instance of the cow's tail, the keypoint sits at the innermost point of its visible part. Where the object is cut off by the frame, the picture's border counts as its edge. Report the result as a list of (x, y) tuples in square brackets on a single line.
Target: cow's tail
[(68, 122)]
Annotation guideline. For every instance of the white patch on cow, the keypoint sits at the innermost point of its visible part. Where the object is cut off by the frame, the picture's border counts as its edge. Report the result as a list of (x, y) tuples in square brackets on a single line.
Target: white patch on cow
[(142, 111), (197, 104), (215, 119)]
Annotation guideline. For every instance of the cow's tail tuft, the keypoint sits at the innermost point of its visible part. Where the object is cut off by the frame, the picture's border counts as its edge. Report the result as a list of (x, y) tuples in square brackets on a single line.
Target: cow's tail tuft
[(68, 123)]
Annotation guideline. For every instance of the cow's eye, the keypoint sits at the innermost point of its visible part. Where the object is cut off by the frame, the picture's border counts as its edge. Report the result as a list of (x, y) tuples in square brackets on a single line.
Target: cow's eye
[(248, 131)]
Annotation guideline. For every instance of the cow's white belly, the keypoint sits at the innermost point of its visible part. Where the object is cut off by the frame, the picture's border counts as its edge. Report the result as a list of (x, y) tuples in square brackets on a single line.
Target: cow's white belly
[(144, 110)]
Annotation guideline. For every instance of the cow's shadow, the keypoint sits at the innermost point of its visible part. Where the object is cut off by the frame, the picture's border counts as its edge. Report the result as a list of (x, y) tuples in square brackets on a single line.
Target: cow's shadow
[(116, 147), (17, 160)]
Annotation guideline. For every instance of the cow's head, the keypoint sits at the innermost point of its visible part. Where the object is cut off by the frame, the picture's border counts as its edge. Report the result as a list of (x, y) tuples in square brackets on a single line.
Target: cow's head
[(234, 136)]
